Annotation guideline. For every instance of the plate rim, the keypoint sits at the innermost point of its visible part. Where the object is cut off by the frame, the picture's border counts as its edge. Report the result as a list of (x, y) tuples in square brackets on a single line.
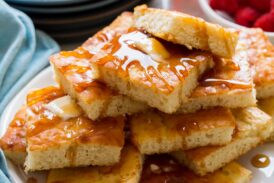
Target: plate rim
[(4, 117)]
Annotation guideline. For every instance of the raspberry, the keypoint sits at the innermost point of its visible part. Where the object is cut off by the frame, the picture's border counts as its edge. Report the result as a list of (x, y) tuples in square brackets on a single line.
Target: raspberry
[(242, 3), (272, 5), (246, 16), (260, 5), (215, 4), (266, 22), (229, 6)]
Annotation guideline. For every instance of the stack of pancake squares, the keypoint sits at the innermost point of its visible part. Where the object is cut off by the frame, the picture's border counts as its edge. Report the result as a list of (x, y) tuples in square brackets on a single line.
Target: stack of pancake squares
[(156, 96)]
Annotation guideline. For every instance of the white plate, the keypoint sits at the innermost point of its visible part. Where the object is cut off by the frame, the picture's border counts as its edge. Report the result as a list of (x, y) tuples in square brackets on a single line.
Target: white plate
[(45, 78)]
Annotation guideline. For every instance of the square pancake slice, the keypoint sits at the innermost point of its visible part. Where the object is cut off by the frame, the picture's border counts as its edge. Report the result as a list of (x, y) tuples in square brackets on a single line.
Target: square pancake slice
[(261, 59), (128, 170), (151, 70), (228, 84), (78, 77), (267, 105), (165, 169), (13, 143), (187, 30), (55, 142), (156, 132), (253, 127)]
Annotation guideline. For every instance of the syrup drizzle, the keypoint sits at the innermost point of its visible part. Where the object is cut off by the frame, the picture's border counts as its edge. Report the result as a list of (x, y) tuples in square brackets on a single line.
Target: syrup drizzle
[(260, 161), (204, 119), (231, 84), (226, 75), (76, 67), (162, 169), (122, 55), (45, 128), (78, 53), (31, 180), (165, 169), (14, 138)]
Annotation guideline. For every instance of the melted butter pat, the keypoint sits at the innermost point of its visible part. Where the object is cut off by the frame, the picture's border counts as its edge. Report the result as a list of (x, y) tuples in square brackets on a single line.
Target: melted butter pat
[(152, 47), (64, 107)]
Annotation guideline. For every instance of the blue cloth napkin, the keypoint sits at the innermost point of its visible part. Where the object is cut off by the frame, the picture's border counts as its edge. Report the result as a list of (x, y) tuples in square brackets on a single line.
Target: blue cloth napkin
[(23, 53), (4, 175)]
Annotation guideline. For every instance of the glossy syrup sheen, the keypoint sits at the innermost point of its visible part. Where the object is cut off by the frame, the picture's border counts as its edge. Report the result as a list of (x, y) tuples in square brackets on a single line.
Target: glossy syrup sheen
[(14, 138), (260, 161), (45, 129), (165, 169), (225, 76), (32, 180), (231, 84), (201, 120), (75, 65), (44, 95), (122, 55), (76, 68)]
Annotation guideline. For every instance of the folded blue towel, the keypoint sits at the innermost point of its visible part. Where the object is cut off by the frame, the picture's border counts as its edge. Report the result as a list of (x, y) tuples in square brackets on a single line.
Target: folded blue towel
[(23, 53), (4, 175)]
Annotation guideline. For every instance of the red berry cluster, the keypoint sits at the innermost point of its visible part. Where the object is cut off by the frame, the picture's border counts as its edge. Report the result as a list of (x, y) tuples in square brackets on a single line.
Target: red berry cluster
[(249, 13)]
